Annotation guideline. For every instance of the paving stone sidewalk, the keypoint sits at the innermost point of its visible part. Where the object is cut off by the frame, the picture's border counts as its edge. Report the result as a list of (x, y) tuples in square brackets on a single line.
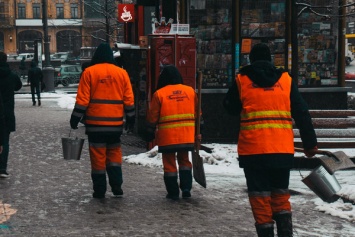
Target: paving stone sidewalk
[(46, 195)]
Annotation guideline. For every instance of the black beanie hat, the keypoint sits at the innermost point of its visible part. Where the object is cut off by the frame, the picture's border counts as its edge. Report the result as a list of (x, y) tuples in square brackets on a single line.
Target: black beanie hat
[(169, 76), (260, 52), (103, 54)]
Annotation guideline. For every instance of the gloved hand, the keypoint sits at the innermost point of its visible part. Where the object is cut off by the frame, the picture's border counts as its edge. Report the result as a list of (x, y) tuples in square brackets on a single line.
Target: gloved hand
[(74, 121), (129, 125), (310, 152), (148, 136)]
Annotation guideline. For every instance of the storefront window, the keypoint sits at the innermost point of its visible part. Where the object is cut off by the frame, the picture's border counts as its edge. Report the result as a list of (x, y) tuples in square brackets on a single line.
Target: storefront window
[(211, 23), (317, 40), (263, 22)]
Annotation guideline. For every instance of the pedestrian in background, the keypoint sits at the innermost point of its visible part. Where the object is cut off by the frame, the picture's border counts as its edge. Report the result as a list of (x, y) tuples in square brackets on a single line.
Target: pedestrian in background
[(267, 99), (84, 65), (9, 83), (173, 111), (2, 125), (104, 96), (35, 79), (22, 68)]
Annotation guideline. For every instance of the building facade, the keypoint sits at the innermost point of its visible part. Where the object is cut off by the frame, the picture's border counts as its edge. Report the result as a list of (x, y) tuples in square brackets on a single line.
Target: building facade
[(72, 24)]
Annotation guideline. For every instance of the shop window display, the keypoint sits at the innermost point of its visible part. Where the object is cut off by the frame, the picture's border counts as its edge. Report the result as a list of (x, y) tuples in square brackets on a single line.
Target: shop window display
[(211, 23), (263, 22), (317, 39)]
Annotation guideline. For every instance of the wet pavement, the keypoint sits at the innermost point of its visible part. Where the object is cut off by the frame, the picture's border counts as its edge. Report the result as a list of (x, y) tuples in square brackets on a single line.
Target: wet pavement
[(46, 195)]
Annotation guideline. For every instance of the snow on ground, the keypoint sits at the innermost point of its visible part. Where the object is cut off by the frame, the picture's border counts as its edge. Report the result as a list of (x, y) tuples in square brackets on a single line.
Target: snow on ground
[(222, 163)]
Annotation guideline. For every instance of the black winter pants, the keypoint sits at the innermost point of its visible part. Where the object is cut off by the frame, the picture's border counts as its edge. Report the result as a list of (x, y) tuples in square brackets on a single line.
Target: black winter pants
[(35, 89), (261, 180), (268, 193)]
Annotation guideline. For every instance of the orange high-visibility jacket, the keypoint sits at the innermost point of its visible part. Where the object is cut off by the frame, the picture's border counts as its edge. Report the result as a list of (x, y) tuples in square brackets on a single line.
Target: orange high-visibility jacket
[(104, 94), (173, 109), (266, 122)]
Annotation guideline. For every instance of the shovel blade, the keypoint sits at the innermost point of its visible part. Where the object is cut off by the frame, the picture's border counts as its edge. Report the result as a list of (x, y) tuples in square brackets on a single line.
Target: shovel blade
[(198, 170), (341, 162)]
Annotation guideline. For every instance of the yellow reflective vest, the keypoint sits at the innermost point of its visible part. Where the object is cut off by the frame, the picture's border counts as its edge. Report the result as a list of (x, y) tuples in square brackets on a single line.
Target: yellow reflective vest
[(173, 110), (266, 122)]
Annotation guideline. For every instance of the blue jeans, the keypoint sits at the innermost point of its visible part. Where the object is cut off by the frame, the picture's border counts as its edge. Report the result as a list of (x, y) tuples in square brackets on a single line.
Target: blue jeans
[(5, 152)]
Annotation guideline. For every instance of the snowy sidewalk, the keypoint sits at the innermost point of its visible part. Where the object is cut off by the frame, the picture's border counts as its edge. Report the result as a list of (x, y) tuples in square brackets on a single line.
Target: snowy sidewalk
[(46, 195)]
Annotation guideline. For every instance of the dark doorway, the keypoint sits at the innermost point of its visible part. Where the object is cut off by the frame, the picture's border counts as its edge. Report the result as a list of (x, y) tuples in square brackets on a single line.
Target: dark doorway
[(26, 40)]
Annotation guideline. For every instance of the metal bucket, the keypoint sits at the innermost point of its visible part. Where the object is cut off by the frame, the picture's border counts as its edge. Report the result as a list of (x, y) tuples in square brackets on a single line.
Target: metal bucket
[(72, 148), (323, 184)]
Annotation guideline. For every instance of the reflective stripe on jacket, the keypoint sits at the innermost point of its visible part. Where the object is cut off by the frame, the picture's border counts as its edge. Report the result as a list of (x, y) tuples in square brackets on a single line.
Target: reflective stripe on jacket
[(172, 110), (104, 94), (266, 123)]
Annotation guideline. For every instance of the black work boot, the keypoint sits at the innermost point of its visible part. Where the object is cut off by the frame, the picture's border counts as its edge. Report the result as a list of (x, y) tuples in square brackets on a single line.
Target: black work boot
[(39, 102), (172, 187), (115, 179), (265, 230), (185, 182), (34, 103), (99, 185), (284, 224)]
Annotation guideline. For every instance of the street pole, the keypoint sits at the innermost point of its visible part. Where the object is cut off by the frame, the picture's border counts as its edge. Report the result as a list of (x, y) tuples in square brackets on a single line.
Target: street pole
[(107, 23), (341, 43), (48, 70)]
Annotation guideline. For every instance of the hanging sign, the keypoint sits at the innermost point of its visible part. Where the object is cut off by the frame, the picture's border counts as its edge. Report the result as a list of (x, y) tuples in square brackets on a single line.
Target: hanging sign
[(126, 13)]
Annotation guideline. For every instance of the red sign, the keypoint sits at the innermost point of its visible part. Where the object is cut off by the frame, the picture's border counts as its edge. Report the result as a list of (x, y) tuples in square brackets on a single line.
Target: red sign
[(126, 13)]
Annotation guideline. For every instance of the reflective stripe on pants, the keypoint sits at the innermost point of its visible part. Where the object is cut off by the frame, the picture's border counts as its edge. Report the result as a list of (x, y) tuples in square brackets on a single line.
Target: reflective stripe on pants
[(102, 154), (261, 208), (169, 161), (268, 192)]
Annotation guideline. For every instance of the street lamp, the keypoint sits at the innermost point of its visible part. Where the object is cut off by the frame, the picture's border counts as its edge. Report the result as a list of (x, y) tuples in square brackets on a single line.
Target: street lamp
[(48, 70)]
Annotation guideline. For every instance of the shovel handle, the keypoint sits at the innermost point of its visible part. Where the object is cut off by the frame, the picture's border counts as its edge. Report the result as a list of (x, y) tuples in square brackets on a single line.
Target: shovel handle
[(198, 115), (319, 152)]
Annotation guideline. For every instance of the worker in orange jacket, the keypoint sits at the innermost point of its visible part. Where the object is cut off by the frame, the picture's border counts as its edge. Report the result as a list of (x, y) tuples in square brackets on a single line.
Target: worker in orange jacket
[(105, 97), (266, 99), (172, 112)]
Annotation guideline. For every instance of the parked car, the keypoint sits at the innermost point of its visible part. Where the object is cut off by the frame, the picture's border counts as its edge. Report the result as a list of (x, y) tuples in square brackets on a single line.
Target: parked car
[(67, 74), (28, 56), (349, 75), (12, 56), (64, 57)]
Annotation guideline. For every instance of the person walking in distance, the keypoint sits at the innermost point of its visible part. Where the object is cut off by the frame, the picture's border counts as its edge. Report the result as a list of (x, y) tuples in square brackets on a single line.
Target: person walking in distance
[(9, 83), (266, 99), (35, 79), (104, 96), (173, 111), (22, 68)]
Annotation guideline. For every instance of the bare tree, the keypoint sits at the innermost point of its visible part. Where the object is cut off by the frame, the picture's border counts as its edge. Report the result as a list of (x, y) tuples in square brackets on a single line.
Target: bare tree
[(327, 10), (101, 19)]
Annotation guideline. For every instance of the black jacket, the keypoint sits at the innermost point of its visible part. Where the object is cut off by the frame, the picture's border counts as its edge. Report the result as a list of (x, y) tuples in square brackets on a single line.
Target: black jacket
[(9, 83), (35, 75), (22, 64), (2, 122), (264, 74)]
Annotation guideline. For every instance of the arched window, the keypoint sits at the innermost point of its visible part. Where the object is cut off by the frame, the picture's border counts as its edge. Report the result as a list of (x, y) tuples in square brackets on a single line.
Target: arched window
[(69, 41), (26, 40)]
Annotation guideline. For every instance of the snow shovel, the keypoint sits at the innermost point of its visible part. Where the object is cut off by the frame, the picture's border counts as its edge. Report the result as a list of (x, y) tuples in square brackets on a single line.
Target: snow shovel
[(197, 162), (333, 161)]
